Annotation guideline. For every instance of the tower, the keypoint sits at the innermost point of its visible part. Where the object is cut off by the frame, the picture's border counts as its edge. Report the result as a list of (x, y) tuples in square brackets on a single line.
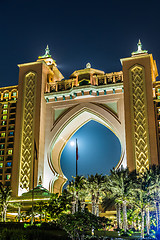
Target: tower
[(139, 74), (30, 121)]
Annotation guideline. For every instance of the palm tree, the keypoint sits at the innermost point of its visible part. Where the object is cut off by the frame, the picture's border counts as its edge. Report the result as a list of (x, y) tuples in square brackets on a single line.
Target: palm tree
[(77, 189), (95, 187), (72, 191), (108, 202), (119, 186), (154, 189), (143, 198), (5, 195)]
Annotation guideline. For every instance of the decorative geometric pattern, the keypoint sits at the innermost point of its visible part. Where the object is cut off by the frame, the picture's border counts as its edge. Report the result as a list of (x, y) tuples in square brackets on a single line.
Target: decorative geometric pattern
[(140, 132), (27, 131)]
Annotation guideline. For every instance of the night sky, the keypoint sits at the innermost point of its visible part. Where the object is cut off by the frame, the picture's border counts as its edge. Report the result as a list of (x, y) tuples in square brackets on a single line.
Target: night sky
[(77, 32)]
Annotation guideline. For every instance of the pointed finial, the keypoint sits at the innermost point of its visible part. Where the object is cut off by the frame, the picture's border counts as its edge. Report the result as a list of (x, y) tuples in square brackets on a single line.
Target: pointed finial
[(40, 180), (139, 50), (139, 44), (47, 51), (88, 65)]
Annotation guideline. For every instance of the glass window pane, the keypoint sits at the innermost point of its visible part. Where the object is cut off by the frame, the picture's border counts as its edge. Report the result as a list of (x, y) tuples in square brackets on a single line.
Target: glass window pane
[(4, 111), (10, 152), (9, 164), (5, 106), (6, 95), (8, 177), (4, 117), (3, 134)]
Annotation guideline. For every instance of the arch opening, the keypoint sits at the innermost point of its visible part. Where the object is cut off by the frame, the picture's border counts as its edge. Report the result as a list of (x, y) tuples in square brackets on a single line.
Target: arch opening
[(99, 150)]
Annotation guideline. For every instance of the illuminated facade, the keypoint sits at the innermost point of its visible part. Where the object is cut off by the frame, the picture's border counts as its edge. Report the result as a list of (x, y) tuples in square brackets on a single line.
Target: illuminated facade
[(8, 100), (50, 109)]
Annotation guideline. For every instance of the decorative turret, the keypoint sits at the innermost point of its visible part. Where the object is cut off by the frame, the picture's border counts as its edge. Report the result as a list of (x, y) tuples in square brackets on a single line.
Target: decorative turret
[(47, 57), (139, 50), (47, 53)]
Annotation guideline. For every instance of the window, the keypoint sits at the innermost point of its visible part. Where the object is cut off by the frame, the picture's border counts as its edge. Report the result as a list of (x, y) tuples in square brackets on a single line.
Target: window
[(8, 177), (10, 152), (11, 134), (4, 117), (1, 146), (9, 164), (3, 134), (1, 152), (6, 95), (3, 123), (158, 90), (4, 111), (5, 106), (1, 158), (14, 93), (1, 165)]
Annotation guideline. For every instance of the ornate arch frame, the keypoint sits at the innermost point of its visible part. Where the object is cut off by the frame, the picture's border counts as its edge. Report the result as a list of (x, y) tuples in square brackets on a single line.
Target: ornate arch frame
[(68, 124)]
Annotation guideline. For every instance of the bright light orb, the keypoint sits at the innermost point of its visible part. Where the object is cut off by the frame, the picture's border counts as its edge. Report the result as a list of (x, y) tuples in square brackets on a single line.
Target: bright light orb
[(72, 143)]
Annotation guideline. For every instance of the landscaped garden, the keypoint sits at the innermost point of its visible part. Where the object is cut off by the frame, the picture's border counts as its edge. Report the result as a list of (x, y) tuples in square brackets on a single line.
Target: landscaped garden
[(80, 211)]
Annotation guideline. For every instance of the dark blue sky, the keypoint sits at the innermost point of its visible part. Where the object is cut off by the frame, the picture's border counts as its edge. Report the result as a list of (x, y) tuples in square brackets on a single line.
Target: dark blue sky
[(100, 32), (99, 151)]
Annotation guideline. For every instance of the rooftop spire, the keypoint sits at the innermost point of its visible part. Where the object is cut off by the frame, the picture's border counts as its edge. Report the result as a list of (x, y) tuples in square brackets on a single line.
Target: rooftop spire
[(139, 50), (47, 53), (139, 44)]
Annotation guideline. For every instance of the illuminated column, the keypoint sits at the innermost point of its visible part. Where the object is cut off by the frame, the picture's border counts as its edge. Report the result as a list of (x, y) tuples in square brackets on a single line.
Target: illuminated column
[(29, 128), (141, 144), (91, 79), (76, 80), (114, 80)]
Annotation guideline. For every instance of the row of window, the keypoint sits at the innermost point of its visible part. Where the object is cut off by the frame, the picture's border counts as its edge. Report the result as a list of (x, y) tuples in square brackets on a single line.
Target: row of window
[(12, 105), (9, 164), (9, 152), (6, 94), (2, 146), (4, 117), (3, 134), (9, 140), (3, 123), (12, 111), (9, 158), (8, 177), (3, 128)]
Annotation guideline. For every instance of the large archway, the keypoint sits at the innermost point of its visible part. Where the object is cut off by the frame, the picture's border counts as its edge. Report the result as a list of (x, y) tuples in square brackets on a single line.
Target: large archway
[(69, 123)]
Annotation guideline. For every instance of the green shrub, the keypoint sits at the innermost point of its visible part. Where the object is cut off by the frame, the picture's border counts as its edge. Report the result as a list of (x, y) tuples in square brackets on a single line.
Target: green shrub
[(30, 234)]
